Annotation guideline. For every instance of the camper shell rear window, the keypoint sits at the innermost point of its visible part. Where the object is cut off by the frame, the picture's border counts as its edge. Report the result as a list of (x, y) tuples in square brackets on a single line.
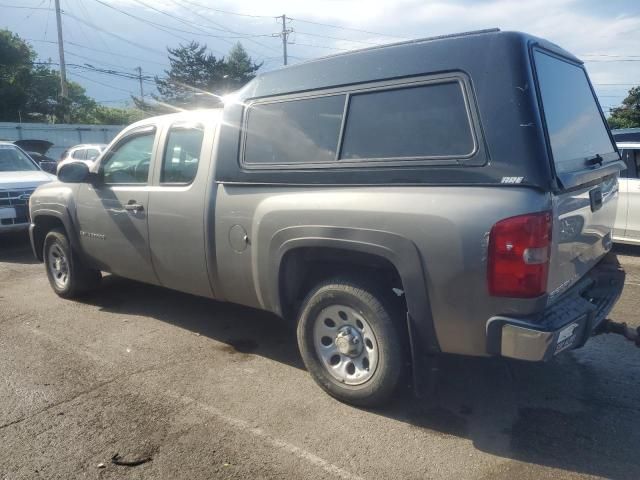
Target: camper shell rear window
[(575, 127)]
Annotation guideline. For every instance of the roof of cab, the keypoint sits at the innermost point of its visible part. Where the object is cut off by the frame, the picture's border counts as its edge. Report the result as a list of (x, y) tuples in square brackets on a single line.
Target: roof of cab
[(402, 59), (185, 115)]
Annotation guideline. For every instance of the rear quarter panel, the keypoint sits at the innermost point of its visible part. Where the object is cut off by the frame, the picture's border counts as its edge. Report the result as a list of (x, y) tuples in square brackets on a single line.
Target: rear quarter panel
[(447, 226)]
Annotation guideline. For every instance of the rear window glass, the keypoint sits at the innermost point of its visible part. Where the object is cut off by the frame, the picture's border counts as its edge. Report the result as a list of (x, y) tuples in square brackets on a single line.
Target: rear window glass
[(296, 131), (410, 122), (575, 127)]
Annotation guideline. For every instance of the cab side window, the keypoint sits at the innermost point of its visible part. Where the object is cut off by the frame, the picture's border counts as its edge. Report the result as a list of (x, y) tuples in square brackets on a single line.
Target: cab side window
[(182, 154), (128, 162), (636, 155)]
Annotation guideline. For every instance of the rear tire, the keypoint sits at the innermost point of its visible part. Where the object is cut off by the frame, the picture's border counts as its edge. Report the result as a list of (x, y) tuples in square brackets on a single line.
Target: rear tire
[(350, 343), (68, 276)]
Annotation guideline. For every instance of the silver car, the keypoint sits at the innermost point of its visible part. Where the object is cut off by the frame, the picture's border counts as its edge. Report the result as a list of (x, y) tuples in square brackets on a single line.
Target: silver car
[(87, 153), (19, 177)]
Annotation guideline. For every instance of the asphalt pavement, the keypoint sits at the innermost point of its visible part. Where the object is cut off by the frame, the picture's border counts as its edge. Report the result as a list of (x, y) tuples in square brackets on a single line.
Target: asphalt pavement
[(135, 381)]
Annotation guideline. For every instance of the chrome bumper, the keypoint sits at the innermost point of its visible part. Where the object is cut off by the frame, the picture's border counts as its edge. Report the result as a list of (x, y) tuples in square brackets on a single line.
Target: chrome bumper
[(565, 325)]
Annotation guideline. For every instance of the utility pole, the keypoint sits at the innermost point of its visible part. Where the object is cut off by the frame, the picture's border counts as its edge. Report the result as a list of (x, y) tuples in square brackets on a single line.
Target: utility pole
[(285, 35), (63, 67), (139, 69)]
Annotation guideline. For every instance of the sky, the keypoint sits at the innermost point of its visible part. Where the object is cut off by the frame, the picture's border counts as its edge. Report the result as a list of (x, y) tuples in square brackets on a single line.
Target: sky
[(120, 35)]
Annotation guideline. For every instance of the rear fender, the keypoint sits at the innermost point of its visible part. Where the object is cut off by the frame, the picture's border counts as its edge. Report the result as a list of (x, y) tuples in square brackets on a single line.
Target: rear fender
[(402, 253)]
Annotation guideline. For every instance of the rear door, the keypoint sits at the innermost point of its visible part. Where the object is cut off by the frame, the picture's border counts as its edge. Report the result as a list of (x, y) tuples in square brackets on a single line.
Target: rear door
[(586, 164), (178, 205)]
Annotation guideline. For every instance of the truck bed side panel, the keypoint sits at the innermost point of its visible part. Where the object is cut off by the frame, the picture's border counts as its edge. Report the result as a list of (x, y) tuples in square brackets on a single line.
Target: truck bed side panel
[(448, 226)]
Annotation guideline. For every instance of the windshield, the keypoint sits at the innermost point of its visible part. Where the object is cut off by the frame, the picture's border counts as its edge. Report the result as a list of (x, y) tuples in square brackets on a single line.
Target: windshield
[(13, 160), (575, 127)]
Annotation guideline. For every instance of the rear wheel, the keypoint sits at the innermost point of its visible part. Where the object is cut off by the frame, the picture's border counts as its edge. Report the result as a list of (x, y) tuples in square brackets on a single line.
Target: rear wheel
[(350, 341), (68, 276)]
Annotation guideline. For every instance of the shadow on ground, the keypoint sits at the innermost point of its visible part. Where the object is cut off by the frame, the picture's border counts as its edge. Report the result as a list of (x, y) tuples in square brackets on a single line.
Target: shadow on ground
[(15, 248), (577, 413)]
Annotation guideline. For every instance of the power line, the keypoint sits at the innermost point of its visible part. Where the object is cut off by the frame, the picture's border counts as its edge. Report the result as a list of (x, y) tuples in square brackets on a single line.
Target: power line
[(98, 34), (227, 12), (24, 7), (220, 26), (337, 38), (163, 26), (348, 28), (319, 46), (99, 83), (138, 59), (123, 39)]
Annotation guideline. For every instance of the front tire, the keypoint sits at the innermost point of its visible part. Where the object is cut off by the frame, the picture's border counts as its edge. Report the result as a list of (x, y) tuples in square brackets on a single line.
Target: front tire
[(350, 341), (67, 274)]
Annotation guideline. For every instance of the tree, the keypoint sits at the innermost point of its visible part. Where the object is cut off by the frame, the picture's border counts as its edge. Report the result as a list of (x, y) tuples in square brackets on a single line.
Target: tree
[(239, 68), (30, 91), (196, 78), (628, 114), (16, 59)]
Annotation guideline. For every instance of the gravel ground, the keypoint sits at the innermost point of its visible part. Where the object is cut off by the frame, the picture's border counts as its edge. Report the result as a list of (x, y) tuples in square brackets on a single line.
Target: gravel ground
[(199, 389)]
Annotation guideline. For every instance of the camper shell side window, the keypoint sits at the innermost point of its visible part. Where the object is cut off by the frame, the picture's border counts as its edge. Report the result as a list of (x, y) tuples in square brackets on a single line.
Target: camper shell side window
[(428, 121)]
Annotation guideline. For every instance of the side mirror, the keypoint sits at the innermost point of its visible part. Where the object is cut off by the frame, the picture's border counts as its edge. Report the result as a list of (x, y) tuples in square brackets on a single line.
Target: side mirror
[(74, 172)]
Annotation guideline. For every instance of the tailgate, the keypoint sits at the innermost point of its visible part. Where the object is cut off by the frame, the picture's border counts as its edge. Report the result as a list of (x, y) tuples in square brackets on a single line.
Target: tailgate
[(581, 236)]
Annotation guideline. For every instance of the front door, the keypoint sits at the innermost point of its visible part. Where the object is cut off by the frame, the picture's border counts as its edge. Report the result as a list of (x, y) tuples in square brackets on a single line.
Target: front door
[(112, 212)]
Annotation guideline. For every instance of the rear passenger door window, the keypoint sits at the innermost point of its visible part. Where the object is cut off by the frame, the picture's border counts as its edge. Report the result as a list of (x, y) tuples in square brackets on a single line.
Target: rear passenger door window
[(427, 121), (295, 131), (182, 154)]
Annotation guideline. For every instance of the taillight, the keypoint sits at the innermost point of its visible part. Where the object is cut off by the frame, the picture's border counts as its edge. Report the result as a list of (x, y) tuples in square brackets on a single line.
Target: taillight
[(518, 261)]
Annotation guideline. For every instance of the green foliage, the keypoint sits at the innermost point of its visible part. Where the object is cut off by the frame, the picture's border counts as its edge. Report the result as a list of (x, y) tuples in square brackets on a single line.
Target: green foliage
[(31, 92), (196, 78), (628, 114), (16, 59)]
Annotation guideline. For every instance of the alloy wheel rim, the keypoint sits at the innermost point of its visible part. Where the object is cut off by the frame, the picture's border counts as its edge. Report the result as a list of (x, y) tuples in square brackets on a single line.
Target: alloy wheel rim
[(346, 344)]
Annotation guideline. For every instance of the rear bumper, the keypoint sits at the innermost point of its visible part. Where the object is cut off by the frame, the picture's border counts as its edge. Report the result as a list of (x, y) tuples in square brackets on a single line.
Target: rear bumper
[(565, 325)]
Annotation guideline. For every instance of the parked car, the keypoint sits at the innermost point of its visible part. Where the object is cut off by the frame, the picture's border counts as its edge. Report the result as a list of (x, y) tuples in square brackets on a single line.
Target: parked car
[(37, 150), (448, 195), (627, 225), (626, 134), (19, 177), (87, 153)]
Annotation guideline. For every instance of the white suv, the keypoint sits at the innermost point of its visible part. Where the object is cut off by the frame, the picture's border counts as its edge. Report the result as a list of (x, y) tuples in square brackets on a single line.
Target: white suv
[(87, 153), (627, 226)]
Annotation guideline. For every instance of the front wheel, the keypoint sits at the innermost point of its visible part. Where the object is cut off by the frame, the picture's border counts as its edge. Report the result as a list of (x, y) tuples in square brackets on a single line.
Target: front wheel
[(350, 342), (67, 274)]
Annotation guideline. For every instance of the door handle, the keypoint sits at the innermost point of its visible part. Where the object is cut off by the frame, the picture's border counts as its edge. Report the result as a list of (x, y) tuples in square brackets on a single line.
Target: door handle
[(134, 207)]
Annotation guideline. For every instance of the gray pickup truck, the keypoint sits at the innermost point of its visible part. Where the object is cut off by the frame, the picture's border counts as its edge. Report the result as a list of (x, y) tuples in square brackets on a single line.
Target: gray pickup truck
[(447, 195)]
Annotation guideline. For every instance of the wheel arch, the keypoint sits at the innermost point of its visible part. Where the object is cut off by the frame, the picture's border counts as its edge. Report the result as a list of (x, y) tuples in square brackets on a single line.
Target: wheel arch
[(360, 246), (42, 222)]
